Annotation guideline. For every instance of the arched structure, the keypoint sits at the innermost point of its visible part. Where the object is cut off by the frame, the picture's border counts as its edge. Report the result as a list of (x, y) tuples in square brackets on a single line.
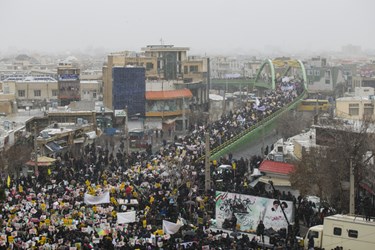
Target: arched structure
[(273, 78), (279, 63)]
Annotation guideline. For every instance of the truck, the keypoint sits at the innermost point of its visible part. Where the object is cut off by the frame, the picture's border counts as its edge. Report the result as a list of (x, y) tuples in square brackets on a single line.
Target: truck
[(346, 231)]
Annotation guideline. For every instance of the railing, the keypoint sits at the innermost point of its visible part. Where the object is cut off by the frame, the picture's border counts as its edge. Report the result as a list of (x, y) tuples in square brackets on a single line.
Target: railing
[(241, 137)]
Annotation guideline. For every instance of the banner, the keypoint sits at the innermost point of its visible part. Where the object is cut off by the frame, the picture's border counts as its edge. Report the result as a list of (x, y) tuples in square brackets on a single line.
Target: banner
[(94, 200), (127, 217), (170, 227), (249, 210)]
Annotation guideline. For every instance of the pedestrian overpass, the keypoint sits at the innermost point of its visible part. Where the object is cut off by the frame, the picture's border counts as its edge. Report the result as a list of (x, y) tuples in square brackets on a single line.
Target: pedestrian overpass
[(272, 71), (269, 74)]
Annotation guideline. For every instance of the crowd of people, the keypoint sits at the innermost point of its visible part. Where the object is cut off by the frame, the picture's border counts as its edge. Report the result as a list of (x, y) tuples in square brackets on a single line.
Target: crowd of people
[(49, 211)]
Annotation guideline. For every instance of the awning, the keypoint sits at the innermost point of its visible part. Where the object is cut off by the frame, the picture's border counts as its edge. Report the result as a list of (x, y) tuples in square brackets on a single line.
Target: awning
[(42, 161), (53, 146), (168, 94), (276, 181), (254, 182)]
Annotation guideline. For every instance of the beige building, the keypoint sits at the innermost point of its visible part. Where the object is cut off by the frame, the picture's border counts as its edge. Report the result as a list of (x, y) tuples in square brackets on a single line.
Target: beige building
[(163, 63), (32, 91), (90, 90), (355, 108)]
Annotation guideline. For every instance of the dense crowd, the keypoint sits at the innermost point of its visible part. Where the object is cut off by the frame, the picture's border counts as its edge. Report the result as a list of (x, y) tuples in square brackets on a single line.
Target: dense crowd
[(49, 211)]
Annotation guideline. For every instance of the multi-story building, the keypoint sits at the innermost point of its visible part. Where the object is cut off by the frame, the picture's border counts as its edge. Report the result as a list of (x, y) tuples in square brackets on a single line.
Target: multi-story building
[(163, 63), (358, 106), (169, 73), (90, 90), (32, 91), (68, 83), (321, 77), (129, 89)]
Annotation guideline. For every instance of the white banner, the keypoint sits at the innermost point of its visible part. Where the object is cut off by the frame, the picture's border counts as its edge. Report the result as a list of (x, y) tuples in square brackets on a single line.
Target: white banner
[(170, 227), (249, 210), (126, 217), (94, 200)]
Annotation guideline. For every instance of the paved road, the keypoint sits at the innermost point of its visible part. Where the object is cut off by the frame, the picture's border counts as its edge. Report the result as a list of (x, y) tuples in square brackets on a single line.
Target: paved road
[(254, 147)]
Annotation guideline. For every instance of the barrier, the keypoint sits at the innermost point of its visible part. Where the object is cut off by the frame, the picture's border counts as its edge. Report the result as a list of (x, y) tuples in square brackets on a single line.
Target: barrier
[(250, 133)]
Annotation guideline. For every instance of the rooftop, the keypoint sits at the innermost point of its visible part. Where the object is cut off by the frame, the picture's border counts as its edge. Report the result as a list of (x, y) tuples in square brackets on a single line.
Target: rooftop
[(276, 167), (167, 95)]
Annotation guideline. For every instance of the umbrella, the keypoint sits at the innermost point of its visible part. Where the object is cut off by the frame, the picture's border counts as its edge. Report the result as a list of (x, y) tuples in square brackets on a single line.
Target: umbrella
[(190, 202)]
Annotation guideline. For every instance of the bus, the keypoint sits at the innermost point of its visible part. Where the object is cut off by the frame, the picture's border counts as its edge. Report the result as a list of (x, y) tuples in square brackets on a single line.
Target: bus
[(313, 105)]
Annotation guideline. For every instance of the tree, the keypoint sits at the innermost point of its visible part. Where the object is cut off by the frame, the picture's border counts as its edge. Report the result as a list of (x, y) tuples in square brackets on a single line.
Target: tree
[(327, 166), (293, 122)]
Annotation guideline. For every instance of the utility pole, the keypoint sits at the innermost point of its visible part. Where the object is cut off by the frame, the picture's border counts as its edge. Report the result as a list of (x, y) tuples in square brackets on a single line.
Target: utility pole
[(183, 115), (36, 151), (352, 195), (207, 175), (225, 92), (127, 131)]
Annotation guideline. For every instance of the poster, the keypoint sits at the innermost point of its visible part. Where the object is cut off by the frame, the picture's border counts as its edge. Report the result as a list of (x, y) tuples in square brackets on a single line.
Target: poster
[(249, 210)]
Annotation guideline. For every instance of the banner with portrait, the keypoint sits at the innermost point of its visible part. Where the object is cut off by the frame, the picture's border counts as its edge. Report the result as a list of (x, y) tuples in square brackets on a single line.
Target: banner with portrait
[(249, 210)]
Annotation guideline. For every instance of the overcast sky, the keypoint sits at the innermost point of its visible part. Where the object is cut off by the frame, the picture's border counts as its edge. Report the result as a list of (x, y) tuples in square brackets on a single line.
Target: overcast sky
[(206, 26)]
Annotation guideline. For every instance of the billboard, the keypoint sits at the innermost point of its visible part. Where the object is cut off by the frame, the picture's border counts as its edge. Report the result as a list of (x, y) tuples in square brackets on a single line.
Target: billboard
[(249, 210)]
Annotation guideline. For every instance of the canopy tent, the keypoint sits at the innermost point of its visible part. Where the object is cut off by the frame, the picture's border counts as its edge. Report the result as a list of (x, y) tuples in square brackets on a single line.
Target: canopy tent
[(43, 161)]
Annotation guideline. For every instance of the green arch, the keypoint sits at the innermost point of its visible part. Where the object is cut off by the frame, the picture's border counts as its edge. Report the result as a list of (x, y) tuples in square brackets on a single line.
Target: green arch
[(303, 73), (273, 83), (269, 62)]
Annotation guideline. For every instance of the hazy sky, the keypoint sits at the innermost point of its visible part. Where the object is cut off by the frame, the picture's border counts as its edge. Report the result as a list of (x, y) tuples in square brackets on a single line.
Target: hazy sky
[(206, 26)]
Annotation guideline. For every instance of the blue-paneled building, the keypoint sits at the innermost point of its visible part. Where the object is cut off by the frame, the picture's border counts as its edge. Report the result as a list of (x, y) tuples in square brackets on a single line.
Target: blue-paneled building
[(129, 88)]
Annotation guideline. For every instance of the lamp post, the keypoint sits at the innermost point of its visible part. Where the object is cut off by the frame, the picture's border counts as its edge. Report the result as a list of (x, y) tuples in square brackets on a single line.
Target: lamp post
[(127, 131)]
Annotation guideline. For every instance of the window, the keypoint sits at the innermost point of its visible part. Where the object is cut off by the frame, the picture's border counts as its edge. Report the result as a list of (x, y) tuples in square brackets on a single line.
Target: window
[(55, 92), (314, 234), (368, 109), (186, 70), (353, 233), (37, 92), (317, 72), (149, 66), (328, 74), (337, 231), (94, 95), (193, 68), (21, 93), (353, 109), (328, 81)]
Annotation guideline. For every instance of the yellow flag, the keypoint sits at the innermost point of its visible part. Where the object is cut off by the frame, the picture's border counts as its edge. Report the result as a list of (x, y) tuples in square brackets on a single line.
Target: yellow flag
[(8, 181), (234, 165), (20, 188), (49, 171), (87, 183)]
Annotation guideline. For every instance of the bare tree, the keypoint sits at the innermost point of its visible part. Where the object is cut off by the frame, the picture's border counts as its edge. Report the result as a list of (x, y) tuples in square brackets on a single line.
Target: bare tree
[(293, 122), (325, 168)]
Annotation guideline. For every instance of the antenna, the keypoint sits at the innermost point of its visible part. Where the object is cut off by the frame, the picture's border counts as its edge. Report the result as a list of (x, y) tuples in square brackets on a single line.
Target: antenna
[(161, 41)]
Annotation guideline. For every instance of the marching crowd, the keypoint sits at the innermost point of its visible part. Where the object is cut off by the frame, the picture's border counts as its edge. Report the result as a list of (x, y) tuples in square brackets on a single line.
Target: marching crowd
[(50, 211)]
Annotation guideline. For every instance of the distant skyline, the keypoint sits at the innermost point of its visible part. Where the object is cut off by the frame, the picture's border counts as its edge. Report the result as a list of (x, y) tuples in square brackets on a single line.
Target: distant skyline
[(206, 26)]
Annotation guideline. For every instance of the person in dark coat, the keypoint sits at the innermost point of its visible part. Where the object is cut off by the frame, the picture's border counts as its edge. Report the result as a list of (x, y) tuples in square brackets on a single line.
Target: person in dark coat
[(260, 230)]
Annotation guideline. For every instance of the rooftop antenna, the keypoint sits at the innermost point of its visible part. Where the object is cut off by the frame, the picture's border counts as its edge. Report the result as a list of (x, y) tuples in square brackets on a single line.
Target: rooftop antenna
[(161, 41)]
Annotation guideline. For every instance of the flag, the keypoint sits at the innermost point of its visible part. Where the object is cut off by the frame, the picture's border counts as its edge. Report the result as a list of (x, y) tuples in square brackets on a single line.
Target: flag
[(100, 199), (49, 171), (126, 217), (170, 227), (8, 181), (257, 102), (102, 232)]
